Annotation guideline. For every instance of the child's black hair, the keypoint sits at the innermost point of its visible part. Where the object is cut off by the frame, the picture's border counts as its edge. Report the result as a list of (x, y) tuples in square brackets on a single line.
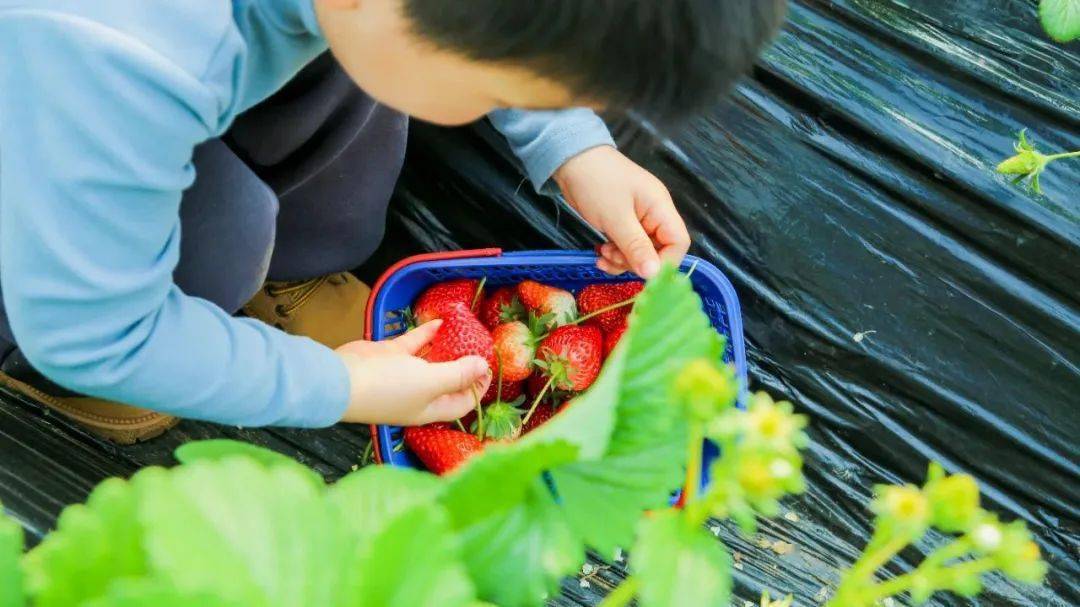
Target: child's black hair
[(664, 59)]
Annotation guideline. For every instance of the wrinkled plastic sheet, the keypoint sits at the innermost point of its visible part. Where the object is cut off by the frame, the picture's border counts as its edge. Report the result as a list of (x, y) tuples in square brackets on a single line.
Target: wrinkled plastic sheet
[(916, 305)]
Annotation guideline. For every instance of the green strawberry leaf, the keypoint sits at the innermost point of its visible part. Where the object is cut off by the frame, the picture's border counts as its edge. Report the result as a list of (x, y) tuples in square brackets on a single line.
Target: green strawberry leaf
[(140, 593), (11, 547), (677, 564), (370, 499), (468, 494), (506, 516), (632, 436), (219, 449), (1061, 19), (94, 545), (250, 534), (413, 560), (517, 557)]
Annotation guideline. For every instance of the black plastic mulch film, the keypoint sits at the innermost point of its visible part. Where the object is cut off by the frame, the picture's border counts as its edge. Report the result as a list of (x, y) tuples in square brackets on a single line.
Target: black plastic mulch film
[(914, 303)]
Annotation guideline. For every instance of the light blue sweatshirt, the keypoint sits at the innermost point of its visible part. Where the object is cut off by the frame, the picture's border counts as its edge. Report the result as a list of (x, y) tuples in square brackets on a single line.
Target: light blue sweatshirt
[(101, 105)]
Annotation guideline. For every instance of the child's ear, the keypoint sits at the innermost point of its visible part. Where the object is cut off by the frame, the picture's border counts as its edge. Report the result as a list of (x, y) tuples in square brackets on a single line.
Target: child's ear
[(340, 5)]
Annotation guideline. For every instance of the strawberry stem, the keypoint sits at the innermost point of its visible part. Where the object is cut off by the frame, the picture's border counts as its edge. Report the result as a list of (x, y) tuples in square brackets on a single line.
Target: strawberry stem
[(539, 397), (460, 425), (479, 415), (693, 268), (594, 314), (498, 371), (622, 595), (693, 463), (476, 296)]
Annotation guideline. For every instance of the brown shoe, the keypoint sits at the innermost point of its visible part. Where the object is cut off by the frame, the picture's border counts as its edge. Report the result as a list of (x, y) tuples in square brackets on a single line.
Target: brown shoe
[(118, 423), (329, 309)]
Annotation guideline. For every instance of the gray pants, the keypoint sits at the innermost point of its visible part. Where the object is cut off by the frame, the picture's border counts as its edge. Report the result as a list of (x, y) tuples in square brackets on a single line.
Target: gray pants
[(296, 189)]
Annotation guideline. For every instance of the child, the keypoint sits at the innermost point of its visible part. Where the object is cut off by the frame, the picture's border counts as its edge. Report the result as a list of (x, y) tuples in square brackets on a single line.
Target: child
[(138, 213)]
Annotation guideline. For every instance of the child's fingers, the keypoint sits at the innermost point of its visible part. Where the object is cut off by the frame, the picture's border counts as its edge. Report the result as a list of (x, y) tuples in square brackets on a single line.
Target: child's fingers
[(630, 237), (667, 229), (614, 256), (439, 379), (609, 268), (419, 337), (450, 407)]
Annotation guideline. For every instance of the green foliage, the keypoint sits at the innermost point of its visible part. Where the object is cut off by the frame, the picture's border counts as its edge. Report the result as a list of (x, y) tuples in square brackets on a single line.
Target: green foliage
[(1061, 19), (903, 515), (1029, 164), (219, 449), (371, 498), (244, 532), (677, 562), (94, 545), (644, 456), (518, 522), (141, 593), (759, 460), (240, 526), (11, 546)]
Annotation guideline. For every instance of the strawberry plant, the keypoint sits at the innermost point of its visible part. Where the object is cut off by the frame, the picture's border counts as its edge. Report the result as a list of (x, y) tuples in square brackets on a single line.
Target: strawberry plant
[(1061, 19), (238, 526), (1029, 164)]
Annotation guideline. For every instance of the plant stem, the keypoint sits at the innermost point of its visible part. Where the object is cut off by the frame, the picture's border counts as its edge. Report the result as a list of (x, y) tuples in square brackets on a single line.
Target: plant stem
[(593, 314), (870, 562), (460, 425), (693, 462), (476, 296), (479, 415), (953, 550), (622, 594), (903, 583), (536, 401), (1075, 154), (693, 268)]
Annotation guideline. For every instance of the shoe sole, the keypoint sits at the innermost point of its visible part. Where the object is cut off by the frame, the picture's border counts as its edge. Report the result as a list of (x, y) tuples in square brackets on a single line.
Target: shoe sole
[(119, 430)]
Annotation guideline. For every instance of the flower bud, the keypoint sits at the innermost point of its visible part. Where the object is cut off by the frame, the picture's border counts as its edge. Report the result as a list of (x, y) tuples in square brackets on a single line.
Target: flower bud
[(905, 506), (1019, 556), (774, 423), (706, 389), (1024, 163), (954, 502), (986, 537)]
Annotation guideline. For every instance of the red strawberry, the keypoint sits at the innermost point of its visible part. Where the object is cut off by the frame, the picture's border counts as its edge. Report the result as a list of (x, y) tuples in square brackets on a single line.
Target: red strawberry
[(571, 355), (441, 449), (515, 349), (461, 334), (433, 302), (535, 384), (599, 296), (542, 300), (466, 420), (543, 413), (510, 391), (502, 306), (611, 339)]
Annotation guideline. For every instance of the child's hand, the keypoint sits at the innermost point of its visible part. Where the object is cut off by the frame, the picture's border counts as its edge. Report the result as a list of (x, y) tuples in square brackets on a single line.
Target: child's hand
[(629, 205), (391, 385)]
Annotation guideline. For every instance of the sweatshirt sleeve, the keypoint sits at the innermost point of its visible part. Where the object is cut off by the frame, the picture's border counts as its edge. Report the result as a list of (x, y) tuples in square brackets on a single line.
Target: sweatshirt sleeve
[(544, 140), (96, 138)]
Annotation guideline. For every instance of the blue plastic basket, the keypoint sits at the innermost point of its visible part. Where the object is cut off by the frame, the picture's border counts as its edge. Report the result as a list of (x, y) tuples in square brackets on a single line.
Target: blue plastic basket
[(403, 283)]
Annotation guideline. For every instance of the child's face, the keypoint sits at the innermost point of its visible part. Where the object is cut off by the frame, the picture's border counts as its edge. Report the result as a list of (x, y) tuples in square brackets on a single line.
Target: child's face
[(372, 41)]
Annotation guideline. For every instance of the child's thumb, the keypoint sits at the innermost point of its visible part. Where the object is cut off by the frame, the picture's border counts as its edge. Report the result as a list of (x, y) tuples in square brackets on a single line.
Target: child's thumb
[(455, 376)]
